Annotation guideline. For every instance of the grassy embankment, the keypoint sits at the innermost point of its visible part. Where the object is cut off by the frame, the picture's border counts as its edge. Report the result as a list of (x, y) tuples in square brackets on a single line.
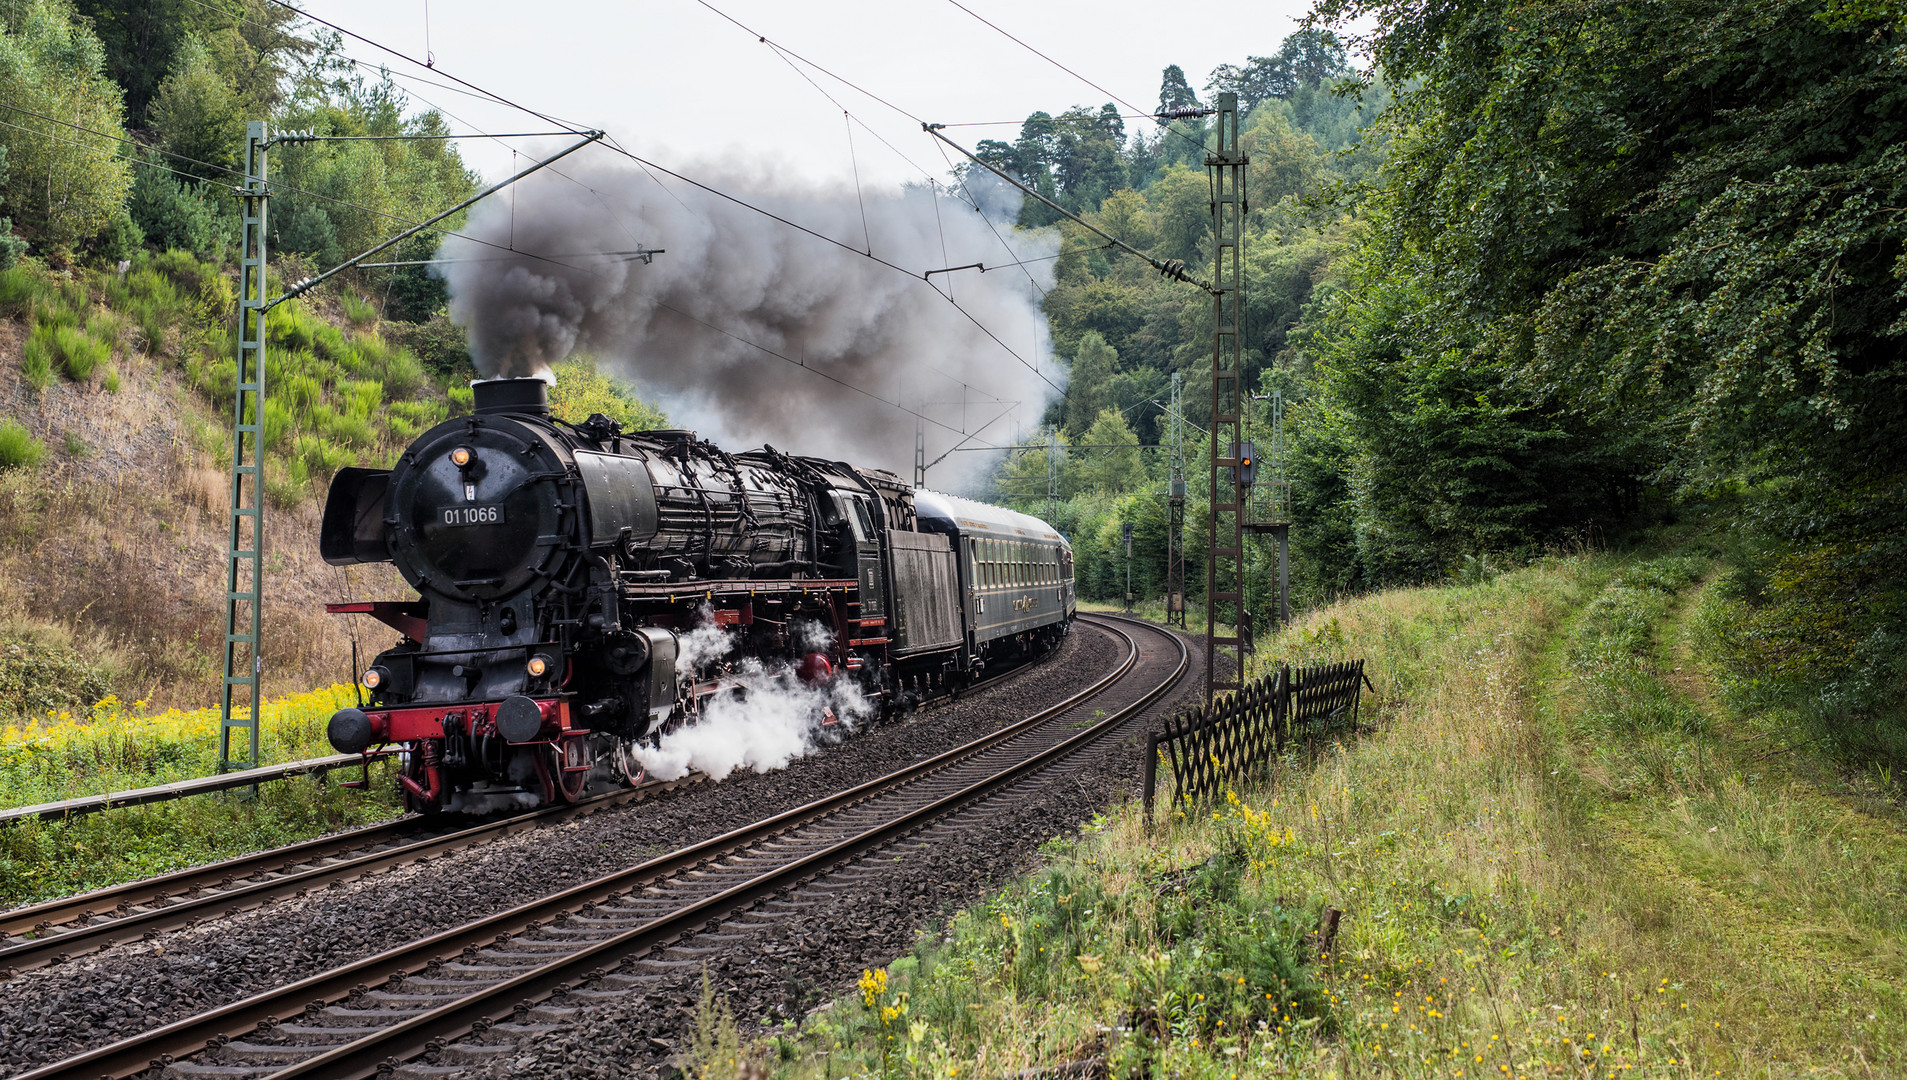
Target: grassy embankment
[(115, 399), (1563, 853)]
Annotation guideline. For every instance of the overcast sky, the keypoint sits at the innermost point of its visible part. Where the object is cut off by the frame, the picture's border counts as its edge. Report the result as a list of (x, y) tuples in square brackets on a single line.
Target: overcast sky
[(674, 80)]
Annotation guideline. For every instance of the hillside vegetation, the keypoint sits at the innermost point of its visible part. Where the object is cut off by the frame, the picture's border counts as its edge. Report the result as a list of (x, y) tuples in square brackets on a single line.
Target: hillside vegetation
[(117, 392)]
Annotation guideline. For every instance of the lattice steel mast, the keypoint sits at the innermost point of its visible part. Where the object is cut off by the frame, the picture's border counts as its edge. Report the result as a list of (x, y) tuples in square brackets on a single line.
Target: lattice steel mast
[(245, 537), (1175, 507), (1225, 545)]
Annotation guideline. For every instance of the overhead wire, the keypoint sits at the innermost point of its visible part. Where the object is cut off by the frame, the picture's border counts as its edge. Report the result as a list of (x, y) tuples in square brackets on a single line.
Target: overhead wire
[(1002, 32), (789, 56), (648, 165), (772, 216), (574, 129), (808, 367), (653, 165)]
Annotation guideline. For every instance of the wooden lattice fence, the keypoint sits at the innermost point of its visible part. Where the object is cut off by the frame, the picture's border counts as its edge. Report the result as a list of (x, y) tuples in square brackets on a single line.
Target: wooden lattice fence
[(1236, 740)]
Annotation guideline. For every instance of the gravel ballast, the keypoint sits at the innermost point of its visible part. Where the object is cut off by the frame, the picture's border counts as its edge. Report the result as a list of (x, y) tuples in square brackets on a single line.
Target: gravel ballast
[(58, 1011)]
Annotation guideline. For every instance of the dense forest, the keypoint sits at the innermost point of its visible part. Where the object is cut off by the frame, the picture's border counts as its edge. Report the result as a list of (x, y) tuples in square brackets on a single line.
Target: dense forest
[(1526, 278), (1537, 278), (121, 123)]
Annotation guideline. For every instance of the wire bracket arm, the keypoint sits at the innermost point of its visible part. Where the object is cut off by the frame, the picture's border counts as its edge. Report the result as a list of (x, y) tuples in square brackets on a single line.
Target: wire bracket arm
[(1172, 268), (310, 283)]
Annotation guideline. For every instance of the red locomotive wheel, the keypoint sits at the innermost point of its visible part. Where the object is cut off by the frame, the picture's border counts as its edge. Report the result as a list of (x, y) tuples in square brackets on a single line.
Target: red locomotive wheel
[(557, 784)]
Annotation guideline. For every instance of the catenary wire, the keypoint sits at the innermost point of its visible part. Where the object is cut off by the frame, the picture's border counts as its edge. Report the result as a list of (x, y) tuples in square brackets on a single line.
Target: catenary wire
[(806, 367), (652, 165), (270, 186), (647, 165), (789, 57), (611, 210), (997, 29), (575, 129), (771, 215)]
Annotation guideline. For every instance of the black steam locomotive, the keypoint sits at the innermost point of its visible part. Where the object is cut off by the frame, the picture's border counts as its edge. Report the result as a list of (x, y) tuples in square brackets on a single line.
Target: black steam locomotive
[(570, 577)]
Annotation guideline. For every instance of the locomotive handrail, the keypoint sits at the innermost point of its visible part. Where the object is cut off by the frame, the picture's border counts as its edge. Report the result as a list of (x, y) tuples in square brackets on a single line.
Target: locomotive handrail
[(92, 804)]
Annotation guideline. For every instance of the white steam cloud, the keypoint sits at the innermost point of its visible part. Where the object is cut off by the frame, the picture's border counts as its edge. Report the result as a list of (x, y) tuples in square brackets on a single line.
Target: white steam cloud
[(681, 327), (775, 719)]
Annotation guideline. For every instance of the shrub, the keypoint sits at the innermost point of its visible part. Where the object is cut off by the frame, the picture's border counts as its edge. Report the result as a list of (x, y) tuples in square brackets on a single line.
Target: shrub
[(321, 458), (41, 676), (414, 294), (309, 230), (18, 448), (82, 355), (55, 312), (121, 238), (278, 423), (75, 446), (303, 392), (439, 343), (19, 289), (152, 331), (192, 280), (106, 327), (358, 310), (112, 380), (36, 358), (173, 214)]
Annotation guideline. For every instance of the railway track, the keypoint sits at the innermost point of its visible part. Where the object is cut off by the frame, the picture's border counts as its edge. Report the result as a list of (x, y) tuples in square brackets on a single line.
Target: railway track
[(62, 930), (502, 975)]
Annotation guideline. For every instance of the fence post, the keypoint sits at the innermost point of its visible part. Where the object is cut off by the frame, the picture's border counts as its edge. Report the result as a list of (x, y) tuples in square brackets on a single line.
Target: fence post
[(1152, 775)]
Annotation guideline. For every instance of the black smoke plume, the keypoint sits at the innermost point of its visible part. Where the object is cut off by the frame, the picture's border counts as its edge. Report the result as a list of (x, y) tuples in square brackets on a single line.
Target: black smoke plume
[(684, 328)]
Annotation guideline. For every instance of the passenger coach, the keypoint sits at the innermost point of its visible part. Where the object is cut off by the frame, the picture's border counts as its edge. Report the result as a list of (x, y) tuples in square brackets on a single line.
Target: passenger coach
[(1016, 573)]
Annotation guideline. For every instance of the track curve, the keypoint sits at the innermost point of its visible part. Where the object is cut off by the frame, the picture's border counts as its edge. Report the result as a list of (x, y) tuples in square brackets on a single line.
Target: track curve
[(509, 964)]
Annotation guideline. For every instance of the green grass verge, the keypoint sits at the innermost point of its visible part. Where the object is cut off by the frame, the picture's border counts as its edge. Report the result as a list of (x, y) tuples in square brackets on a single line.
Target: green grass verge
[(1557, 856)]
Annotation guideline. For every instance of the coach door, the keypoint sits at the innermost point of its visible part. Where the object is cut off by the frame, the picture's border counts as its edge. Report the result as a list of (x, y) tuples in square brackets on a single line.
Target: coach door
[(868, 548)]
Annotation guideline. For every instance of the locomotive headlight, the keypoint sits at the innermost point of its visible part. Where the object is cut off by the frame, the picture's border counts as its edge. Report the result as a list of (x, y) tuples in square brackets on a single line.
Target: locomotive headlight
[(539, 665), (460, 456), (376, 677)]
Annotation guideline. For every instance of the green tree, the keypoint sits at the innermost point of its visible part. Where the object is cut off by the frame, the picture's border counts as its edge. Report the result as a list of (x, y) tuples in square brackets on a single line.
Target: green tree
[(1660, 226), (1174, 91), (11, 246), (1021, 480), (1109, 471), (252, 43), (198, 113), (352, 194), (1088, 389), (171, 213), (63, 185), (1183, 199)]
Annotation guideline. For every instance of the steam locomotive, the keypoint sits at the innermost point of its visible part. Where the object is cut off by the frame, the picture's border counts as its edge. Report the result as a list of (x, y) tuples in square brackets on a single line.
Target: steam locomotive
[(582, 590)]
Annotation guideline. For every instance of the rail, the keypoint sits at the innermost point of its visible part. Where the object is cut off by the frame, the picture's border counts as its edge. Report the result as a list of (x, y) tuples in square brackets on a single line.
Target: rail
[(203, 785), (412, 1029)]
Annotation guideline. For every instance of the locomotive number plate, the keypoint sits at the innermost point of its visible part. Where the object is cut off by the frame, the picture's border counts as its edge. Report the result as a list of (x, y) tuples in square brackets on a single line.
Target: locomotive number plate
[(473, 515)]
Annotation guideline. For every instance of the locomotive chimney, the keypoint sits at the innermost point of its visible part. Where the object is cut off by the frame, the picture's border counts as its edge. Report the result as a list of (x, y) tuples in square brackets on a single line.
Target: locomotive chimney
[(512, 395)]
